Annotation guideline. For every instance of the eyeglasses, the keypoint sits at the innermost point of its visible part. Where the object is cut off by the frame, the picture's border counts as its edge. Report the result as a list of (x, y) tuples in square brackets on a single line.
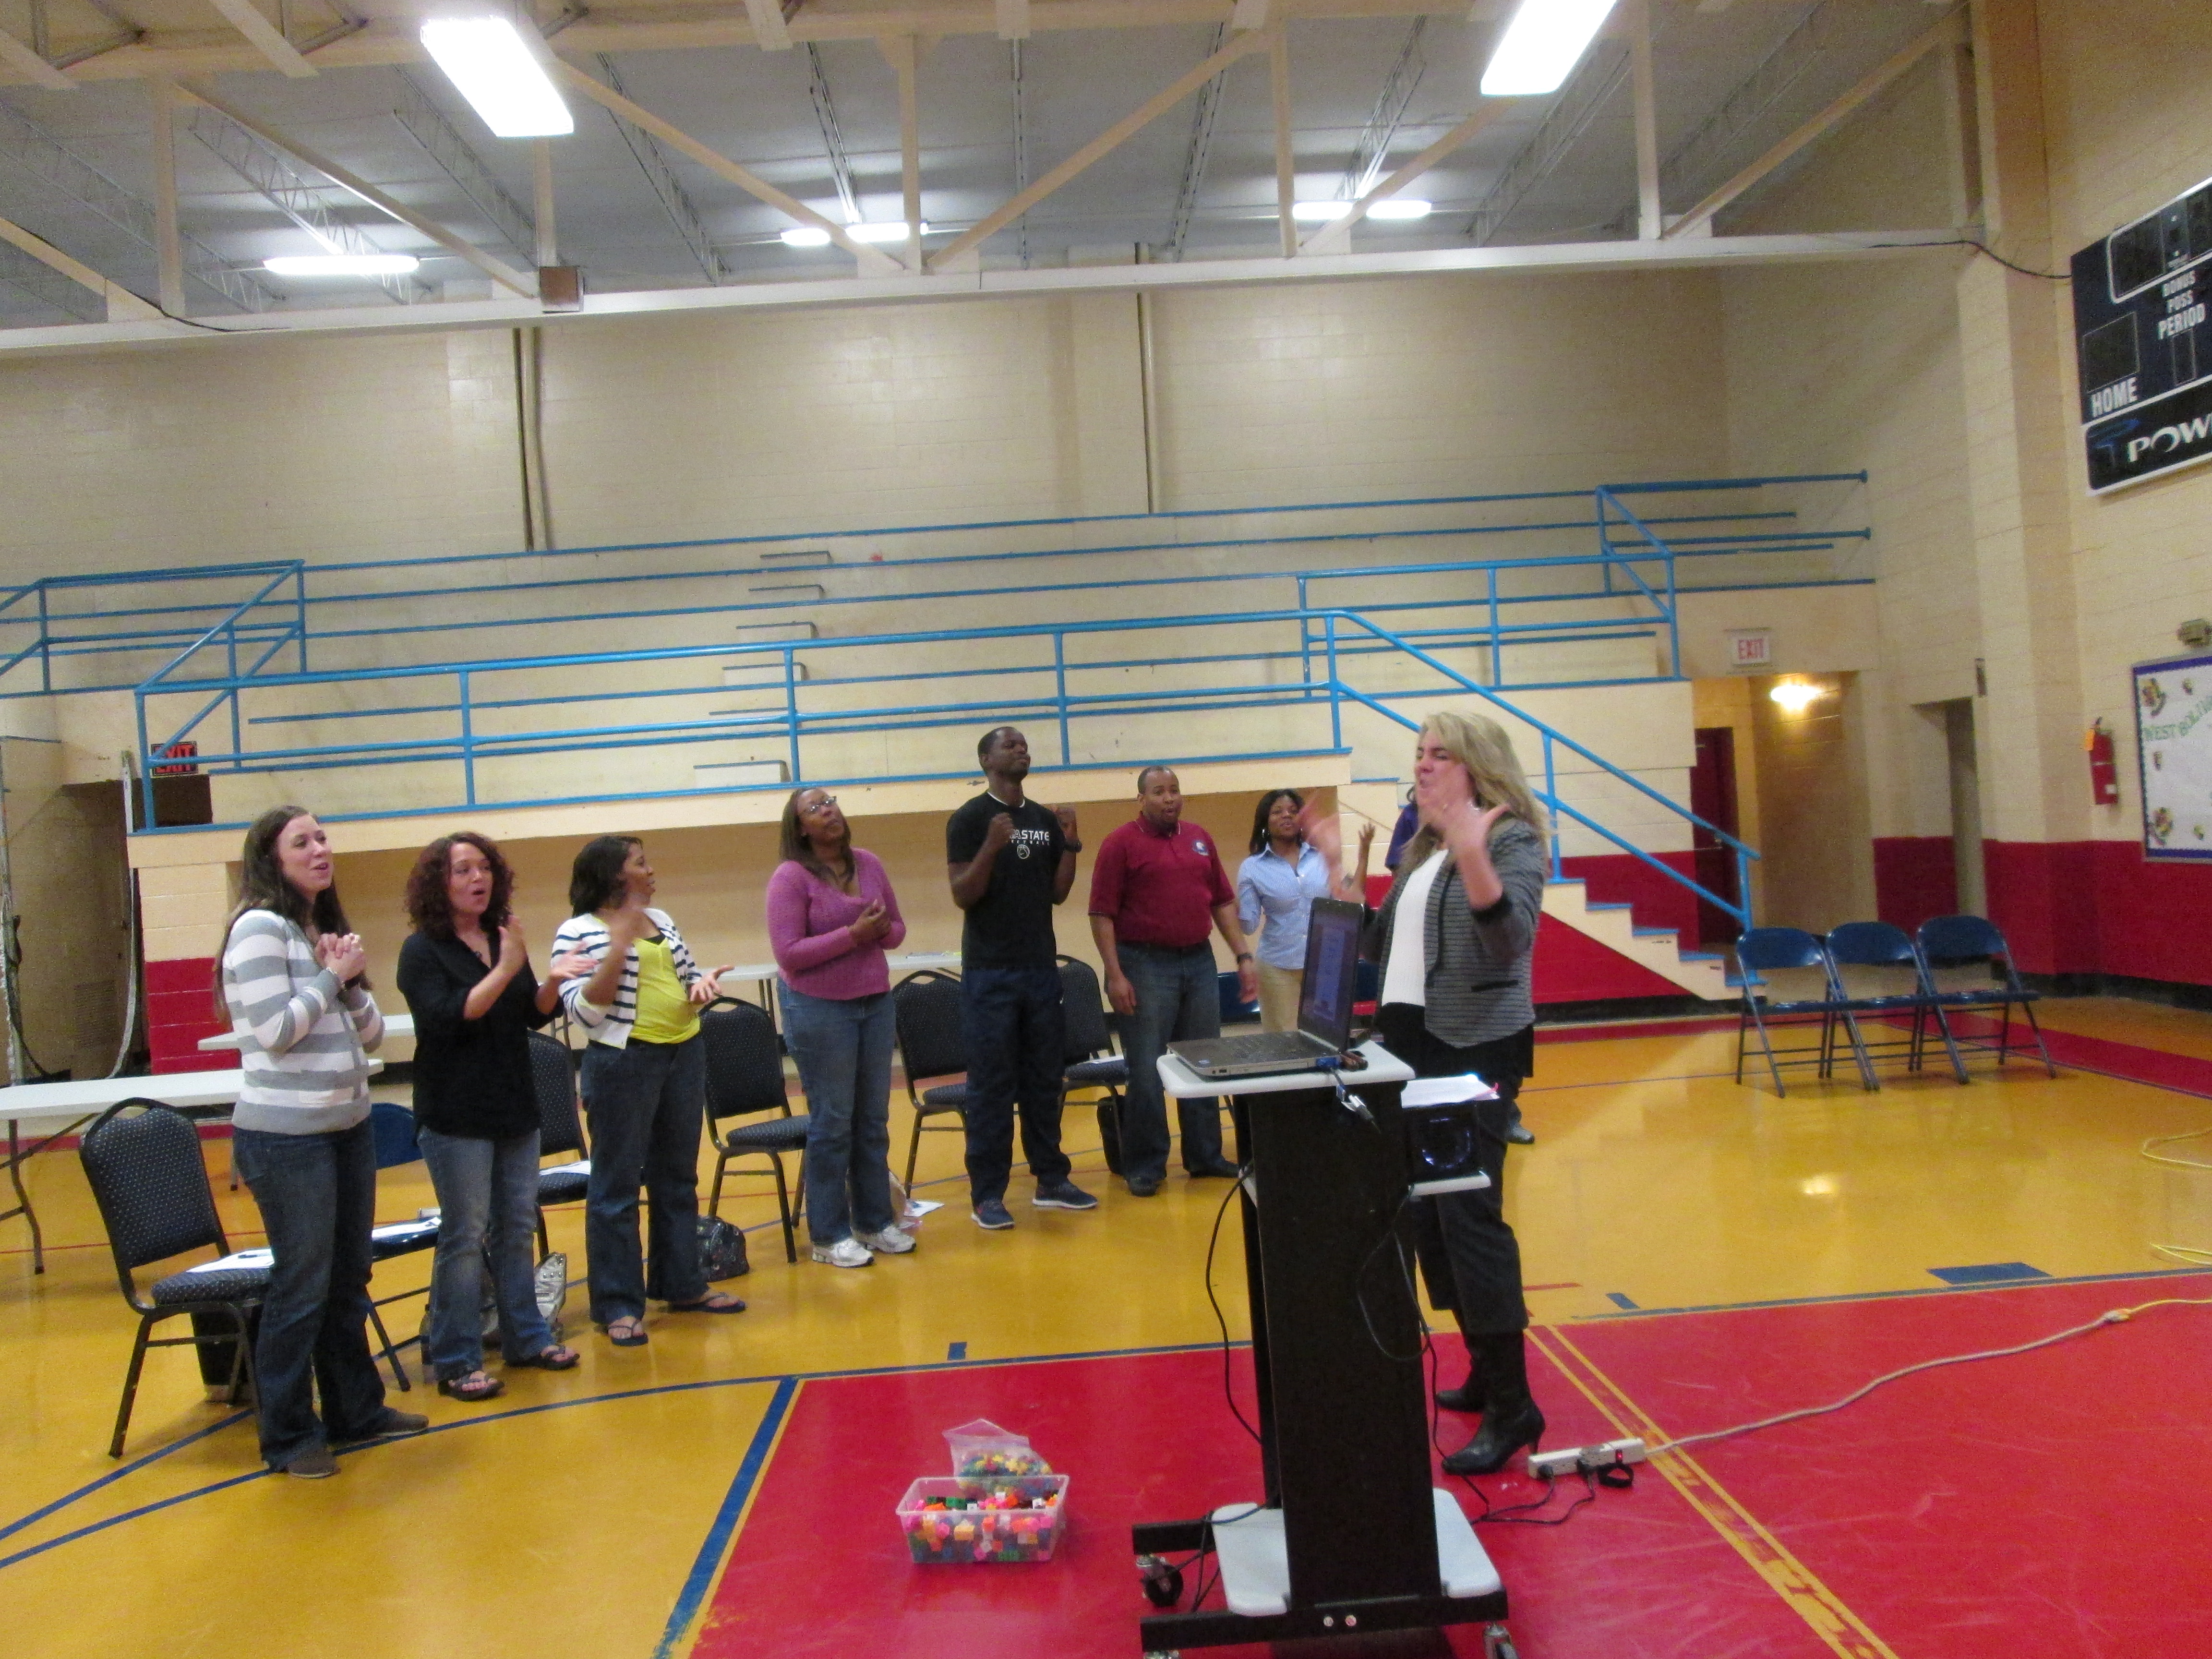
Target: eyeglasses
[(826, 800)]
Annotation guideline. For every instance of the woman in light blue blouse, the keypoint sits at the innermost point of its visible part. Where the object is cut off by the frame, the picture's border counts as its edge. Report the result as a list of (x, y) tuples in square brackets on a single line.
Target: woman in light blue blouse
[(1280, 882)]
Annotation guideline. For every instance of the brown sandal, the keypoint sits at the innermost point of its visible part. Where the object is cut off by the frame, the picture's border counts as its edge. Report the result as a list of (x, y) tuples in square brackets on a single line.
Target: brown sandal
[(717, 1301)]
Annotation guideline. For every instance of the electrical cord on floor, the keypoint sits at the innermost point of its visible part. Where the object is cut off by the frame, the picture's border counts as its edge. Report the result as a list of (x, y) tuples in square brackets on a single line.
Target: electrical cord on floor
[(2191, 1256), (2112, 1316), (1221, 1319)]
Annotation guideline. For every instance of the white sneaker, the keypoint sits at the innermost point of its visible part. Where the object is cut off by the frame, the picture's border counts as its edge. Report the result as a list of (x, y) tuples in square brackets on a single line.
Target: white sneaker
[(890, 1241), (845, 1253)]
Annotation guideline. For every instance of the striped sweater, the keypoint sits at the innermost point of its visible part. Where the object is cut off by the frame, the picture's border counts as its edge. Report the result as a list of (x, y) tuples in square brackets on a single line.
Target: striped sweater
[(587, 935), (302, 1036), (1479, 963)]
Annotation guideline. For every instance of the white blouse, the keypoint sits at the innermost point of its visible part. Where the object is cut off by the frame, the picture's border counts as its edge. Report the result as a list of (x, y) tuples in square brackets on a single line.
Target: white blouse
[(1405, 975)]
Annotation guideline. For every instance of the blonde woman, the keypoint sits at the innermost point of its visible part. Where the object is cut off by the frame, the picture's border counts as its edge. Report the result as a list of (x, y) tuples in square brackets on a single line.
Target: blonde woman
[(1454, 939)]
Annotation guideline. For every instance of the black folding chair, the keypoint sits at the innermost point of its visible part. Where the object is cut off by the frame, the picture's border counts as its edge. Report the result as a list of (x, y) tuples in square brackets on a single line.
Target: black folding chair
[(393, 1126), (1879, 972), (151, 1186), (1970, 968), (1091, 1062), (560, 1129), (926, 1013), (744, 1079), (1764, 951)]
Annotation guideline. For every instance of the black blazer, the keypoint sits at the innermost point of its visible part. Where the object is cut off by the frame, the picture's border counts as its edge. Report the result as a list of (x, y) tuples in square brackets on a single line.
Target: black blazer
[(471, 1076)]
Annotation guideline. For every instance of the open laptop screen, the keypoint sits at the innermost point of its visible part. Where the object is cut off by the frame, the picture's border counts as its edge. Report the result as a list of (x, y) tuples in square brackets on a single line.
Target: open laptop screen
[(1332, 971)]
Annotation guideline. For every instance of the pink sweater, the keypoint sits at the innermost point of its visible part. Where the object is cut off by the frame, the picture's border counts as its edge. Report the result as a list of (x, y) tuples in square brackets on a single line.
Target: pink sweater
[(807, 918)]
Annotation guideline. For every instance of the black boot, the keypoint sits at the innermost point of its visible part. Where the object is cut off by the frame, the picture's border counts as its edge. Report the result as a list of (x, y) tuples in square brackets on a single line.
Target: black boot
[(1467, 1397), (1510, 1418)]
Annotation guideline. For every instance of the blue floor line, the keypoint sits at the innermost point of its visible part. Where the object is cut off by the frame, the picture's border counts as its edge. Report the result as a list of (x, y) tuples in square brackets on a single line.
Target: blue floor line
[(701, 1578), (117, 1474)]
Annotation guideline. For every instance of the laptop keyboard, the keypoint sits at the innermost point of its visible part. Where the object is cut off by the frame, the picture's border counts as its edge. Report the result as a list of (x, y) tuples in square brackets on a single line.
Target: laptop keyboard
[(1276, 1045)]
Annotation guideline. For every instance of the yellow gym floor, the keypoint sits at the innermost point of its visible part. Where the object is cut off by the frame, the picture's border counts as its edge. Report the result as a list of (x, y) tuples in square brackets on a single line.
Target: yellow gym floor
[(568, 1515)]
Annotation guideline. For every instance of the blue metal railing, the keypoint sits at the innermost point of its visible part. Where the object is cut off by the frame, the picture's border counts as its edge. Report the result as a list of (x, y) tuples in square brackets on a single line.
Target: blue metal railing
[(91, 629)]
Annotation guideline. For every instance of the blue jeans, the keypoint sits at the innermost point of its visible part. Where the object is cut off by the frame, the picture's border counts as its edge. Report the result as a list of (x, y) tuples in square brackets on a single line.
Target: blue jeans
[(843, 1048), (487, 1216), (1178, 998), (1012, 1028), (318, 1200), (647, 1102)]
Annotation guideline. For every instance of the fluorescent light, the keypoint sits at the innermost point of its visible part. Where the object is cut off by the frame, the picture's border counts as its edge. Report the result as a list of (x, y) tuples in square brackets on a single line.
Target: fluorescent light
[(1540, 45), (1400, 208), (1319, 212), (491, 65), (893, 232), (808, 236), (340, 264)]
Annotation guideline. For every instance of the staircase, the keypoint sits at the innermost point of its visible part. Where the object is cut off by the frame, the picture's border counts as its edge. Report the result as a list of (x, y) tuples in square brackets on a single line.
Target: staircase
[(1699, 973)]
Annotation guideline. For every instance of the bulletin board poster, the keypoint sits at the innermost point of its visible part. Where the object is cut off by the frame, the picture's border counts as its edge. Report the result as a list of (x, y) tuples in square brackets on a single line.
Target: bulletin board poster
[(2173, 746)]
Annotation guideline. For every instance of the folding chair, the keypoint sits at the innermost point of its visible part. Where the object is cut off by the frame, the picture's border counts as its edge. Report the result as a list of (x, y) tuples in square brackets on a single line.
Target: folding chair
[(1895, 982), (744, 1079), (560, 1129), (147, 1176), (1950, 944), (1088, 1048), (926, 1010), (393, 1126), (1789, 950)]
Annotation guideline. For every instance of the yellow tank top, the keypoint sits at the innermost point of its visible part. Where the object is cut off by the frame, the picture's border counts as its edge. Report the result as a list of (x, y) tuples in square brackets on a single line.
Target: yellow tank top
[(665, 1014)]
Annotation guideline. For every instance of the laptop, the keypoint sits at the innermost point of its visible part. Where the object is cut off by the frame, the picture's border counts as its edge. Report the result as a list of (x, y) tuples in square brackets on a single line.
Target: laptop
[(1332, 980)]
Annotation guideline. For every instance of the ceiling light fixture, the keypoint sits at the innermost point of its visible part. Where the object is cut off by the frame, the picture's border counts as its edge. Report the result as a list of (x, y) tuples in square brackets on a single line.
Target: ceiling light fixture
[(808, 236), (1797, 695), (1541, 46), (1319, 212), (893, 232), (1400, 208), (492, 66), (340, 264)]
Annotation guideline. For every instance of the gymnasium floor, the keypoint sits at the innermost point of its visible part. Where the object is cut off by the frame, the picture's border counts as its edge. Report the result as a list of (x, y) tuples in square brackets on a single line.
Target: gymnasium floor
[(1700, 1255)]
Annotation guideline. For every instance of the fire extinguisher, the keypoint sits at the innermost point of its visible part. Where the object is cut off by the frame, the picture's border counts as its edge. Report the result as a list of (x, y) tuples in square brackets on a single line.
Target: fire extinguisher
[(2104, 776)]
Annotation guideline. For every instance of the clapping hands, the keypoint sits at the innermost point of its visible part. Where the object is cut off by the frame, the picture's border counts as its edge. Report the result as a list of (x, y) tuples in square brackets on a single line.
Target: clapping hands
[(343, 954)]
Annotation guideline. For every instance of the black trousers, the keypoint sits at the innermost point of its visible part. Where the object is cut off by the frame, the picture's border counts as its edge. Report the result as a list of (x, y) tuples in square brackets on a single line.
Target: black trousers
[(1470, 1260)]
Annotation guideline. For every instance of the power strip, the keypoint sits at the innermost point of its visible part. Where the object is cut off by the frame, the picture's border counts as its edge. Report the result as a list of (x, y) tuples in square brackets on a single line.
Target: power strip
[(1551, 1465)]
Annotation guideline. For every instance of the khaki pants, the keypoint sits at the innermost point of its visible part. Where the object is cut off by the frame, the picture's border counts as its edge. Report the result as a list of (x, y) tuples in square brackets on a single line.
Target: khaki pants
[(1278, 998)]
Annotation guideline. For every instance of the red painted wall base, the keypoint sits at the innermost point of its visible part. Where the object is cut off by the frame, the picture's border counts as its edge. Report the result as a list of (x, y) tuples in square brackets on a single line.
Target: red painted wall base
[(2100, 906), (179, 1012)]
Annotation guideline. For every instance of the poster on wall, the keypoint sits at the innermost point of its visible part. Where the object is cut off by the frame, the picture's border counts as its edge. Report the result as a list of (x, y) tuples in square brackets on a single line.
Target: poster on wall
[(2143, 336), (2174, 747)]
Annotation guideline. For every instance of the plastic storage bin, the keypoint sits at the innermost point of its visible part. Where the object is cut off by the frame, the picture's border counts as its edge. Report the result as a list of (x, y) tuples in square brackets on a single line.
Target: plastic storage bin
[(972, 1535)]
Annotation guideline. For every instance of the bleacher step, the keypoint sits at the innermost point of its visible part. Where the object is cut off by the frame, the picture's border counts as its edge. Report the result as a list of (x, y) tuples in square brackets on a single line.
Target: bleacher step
[(737, 775)]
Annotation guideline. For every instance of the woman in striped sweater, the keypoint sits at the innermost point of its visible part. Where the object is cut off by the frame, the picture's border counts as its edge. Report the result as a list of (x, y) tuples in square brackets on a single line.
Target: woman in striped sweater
[(645, 1088), (292, 982)]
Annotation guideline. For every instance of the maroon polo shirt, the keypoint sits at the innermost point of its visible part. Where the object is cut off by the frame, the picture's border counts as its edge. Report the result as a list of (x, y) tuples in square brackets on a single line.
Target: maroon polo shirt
[(1159, 887)]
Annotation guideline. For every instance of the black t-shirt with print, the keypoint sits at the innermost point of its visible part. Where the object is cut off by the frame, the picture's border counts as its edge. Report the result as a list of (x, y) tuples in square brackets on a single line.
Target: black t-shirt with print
[(1010, 926)]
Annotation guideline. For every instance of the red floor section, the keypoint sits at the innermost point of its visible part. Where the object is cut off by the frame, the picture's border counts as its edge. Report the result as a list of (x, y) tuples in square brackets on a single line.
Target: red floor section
[(2054, 1504), (820, 1568)]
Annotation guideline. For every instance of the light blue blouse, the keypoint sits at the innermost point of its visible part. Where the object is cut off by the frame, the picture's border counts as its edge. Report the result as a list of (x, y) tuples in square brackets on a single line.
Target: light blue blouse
[(1268, 885)]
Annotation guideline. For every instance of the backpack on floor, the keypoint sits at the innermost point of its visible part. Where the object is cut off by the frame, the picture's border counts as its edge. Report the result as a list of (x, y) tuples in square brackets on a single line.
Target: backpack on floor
[(721, 1250)]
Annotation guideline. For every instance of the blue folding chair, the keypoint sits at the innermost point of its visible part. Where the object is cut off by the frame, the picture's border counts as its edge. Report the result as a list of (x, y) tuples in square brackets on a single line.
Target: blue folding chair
[(1785, 949), (1899, 985), (1951, 944)]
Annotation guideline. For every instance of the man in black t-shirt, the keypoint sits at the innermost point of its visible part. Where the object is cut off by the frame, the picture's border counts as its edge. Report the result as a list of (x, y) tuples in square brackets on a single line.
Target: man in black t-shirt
[(1011, 860)]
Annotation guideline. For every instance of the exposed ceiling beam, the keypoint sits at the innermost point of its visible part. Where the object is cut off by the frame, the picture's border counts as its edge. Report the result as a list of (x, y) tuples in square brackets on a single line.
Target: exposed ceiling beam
[(1373, 150), (1195, 159), (1868, 86), (498, 270), (31, 66), (541, 202), (1013, 18), (1595, 79), (42, 283), (770, 32), (667, 189), (1644, 106), (1337, 232), (905, 56), (872, 261), (1279, 104), (426, 123), (1150, 110), (123, 305), (833, 136), (268, 39), (1248, 15), (168, 239)]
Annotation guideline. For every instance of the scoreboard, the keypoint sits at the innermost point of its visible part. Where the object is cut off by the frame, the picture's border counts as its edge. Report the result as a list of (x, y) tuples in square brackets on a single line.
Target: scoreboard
[(2145, 348)]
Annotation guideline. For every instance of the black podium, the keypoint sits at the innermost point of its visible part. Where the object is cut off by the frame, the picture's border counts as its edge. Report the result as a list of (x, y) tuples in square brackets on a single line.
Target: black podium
[(1349, 1536)]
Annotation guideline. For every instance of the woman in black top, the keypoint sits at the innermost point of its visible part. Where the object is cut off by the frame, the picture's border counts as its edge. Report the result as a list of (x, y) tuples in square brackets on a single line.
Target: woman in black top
[(465, 973)]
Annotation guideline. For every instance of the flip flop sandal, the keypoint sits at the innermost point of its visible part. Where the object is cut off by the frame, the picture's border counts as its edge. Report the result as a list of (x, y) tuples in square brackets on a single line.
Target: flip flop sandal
[(476, 1386), (542, 1360), (631, 1335), (728, 1304)]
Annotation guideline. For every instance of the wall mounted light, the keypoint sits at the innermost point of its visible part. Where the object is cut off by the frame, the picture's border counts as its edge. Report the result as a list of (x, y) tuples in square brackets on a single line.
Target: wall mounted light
[(1796, 696)]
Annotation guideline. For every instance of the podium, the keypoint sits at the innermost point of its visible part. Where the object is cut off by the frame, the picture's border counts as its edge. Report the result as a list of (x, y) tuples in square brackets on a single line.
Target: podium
[(1348, 1535)]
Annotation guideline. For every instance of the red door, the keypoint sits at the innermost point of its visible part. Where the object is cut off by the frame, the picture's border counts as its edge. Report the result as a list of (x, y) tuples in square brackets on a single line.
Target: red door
[(1712, 798)]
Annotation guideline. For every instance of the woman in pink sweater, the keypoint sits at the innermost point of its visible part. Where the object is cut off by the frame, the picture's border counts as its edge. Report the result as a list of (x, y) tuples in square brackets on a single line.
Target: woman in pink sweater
[(831, 916)]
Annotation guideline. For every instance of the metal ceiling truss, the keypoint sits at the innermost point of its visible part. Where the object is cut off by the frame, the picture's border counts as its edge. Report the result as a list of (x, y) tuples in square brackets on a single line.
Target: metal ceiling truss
[(1374, 146), (1696, 162), (427, 126), (1022, 134), (833, 138), (32, 148), (292, 193), (1202, 145), (1601, 75), (50, 288), (653, 163)]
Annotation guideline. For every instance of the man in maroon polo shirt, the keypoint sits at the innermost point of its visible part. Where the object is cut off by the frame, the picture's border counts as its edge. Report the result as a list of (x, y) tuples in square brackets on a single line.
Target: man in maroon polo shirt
[(1156, 892)]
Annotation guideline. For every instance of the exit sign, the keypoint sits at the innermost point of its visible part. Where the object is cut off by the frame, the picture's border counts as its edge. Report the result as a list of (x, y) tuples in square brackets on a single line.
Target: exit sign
[(1751, 649)]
